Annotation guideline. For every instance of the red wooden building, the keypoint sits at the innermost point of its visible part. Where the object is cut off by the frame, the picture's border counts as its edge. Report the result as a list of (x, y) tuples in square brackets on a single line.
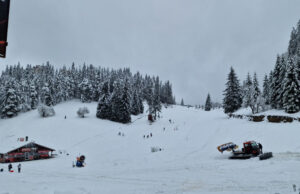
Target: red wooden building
[(29, 151)]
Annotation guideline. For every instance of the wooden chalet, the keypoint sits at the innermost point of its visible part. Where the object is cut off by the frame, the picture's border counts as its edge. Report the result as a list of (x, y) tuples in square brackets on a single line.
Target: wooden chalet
[(29, 151)]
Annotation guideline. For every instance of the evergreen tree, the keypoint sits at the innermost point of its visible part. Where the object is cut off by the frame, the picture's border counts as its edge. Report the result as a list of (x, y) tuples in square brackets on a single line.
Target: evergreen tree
[(156, 99), (149, 95), (86, 90), (51, 86), (96, 87), (141, 105), (232, 95), (297, 61), (208, 103), (121, 103), (182, 102), (293, 44), (269, 100), (247, 90), (104, 108), (11, 103), (255, 96), (291, 93), (266, 90), (135, 103), (46, 96), (277, 84), (33, 97)]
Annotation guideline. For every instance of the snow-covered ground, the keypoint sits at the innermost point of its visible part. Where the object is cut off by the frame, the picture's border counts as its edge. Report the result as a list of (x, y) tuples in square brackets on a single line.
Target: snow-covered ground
[(188, 163)]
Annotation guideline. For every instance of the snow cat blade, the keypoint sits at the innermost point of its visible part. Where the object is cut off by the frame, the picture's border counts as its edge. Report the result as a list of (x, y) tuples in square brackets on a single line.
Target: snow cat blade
[(227, 147)]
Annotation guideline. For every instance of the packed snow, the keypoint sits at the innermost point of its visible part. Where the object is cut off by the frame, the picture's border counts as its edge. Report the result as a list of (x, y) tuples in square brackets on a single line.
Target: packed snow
[(186, 158)]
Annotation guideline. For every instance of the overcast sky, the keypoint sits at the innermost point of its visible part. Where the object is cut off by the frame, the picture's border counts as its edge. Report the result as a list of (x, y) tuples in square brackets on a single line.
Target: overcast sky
[(192, 43)]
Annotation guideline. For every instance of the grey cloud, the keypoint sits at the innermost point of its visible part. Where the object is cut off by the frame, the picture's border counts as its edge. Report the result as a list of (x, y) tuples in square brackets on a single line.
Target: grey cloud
[(192, 43)]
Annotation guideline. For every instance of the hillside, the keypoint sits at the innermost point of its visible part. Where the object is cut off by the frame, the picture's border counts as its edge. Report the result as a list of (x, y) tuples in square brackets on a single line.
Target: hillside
[(188, 163)]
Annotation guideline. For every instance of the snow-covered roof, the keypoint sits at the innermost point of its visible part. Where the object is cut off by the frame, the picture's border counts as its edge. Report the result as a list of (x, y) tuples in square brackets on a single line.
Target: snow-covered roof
[(12, 145)]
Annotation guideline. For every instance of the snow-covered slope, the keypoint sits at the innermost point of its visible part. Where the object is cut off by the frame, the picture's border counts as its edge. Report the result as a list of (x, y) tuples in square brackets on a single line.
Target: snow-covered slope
[(188, 163)]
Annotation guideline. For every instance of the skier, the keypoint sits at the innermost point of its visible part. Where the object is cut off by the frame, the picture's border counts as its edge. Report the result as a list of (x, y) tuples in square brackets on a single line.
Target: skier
[(150, 134), (9, 167), (260, 147), (65, 116), (19, 168)]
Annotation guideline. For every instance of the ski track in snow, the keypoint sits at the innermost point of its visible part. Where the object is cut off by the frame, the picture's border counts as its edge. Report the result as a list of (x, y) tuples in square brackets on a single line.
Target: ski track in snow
[(189, 162)]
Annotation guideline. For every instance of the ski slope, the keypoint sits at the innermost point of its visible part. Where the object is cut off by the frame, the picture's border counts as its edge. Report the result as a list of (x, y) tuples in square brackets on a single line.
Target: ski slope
[(188, 163)]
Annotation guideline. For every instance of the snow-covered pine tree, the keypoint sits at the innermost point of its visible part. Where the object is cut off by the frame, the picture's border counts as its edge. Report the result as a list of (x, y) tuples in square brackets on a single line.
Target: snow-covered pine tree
[(182, 102), (22, 91), (255, 95), (270, 88), (104, 108), (46, 96), (293, 43), (135, 103), (291, 92), (149, 94), (283, 67), (96, 87), (11, 103), (247, 91), (266, 90), (232, 95), (121, 102), (125, 108), (33, 97), (276, 98), (141, 105), (156, 99), (86, 90), (208, 104), (137, 87), (58, 85), (297, 66), (167, 93)]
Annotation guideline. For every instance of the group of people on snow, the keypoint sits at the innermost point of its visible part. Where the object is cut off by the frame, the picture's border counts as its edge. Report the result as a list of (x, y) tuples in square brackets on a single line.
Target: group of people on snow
[(147, 136), (10, 168)]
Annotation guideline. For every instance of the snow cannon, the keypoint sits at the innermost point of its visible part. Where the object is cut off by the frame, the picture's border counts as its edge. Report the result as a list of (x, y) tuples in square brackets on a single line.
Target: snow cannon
[(80, 161), (227, 147)]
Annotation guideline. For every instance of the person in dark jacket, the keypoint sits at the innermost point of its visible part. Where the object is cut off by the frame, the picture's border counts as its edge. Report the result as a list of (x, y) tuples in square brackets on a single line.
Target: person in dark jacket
[(19, 168), (260, 147), (9, 167)]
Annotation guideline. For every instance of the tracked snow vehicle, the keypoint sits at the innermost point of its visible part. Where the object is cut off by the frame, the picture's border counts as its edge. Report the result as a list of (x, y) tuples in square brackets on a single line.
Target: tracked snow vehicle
[(250, 149)]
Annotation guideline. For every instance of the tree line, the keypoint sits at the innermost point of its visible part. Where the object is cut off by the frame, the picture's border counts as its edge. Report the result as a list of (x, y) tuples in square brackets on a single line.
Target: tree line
[(119, 93), (281, 87)]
